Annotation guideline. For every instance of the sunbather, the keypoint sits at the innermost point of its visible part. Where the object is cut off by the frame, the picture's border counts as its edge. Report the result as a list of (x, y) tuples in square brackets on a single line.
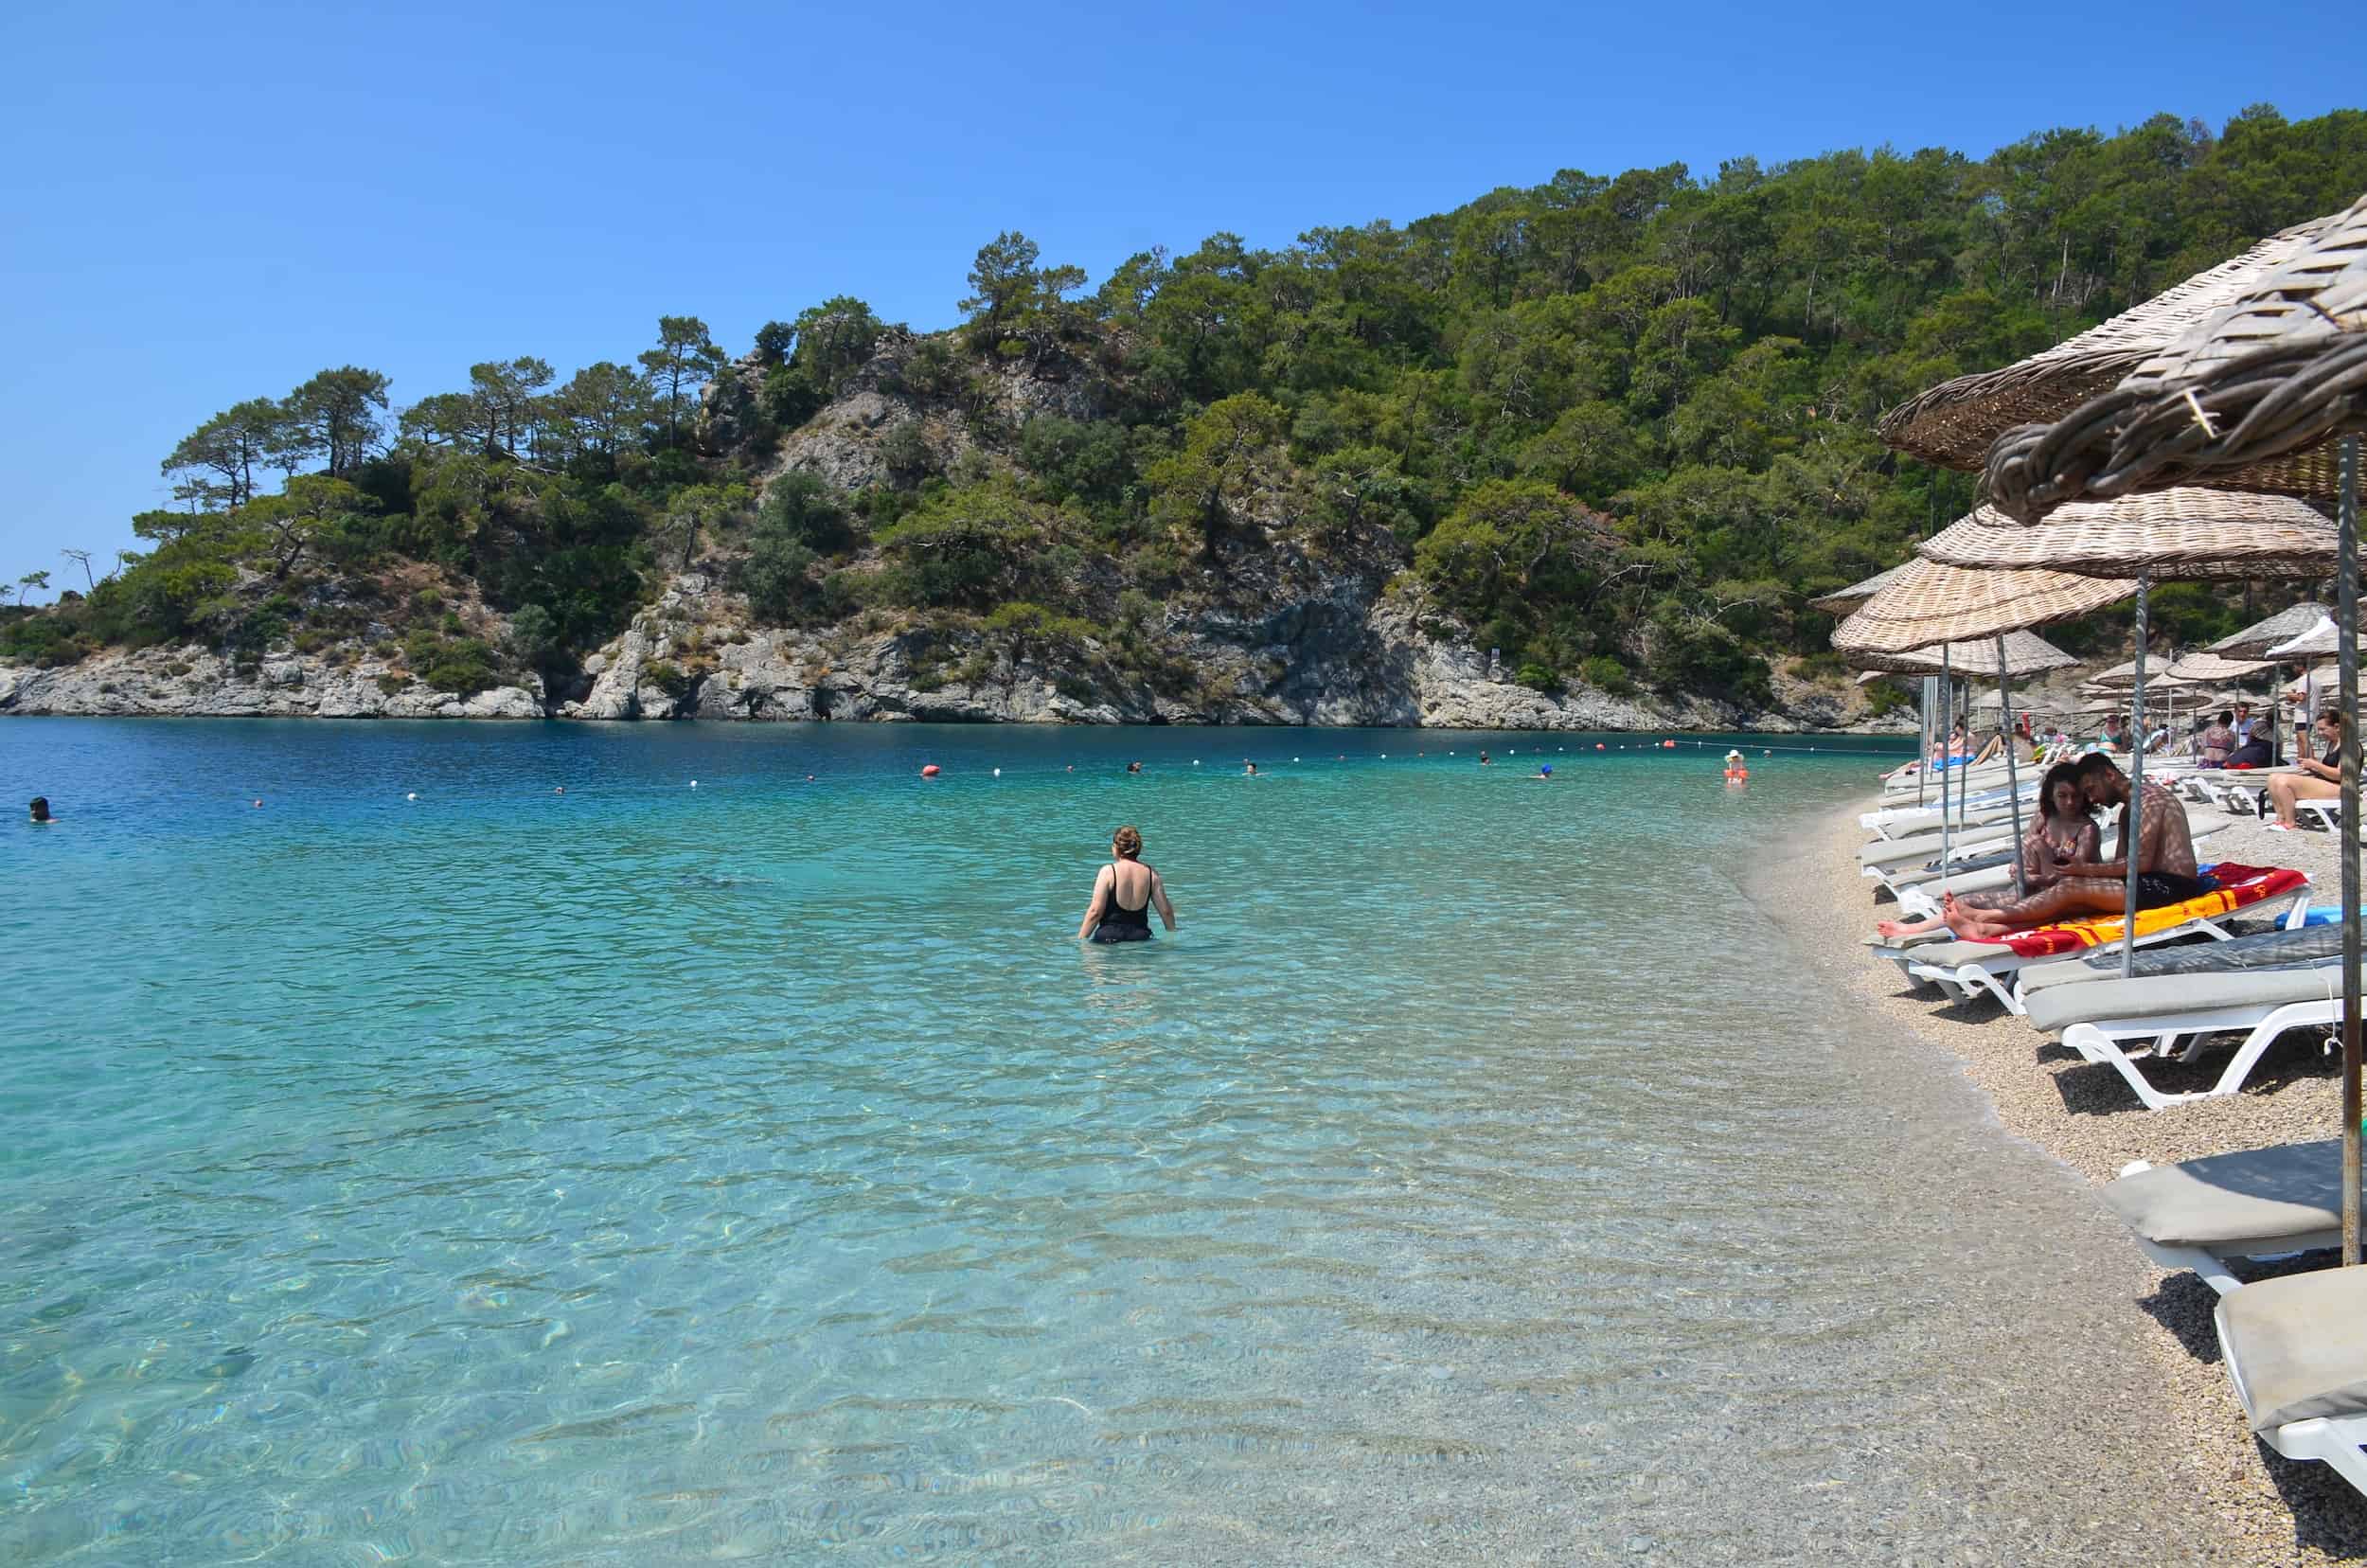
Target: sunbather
[(2162, 843), (2065, 833), (2317, 780)]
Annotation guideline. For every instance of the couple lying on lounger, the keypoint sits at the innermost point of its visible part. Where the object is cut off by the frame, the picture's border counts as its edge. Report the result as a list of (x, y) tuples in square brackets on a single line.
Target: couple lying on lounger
[(2062, 879)]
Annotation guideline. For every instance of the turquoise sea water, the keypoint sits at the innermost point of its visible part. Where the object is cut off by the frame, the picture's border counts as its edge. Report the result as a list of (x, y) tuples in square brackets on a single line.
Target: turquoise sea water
[(651, 1174)]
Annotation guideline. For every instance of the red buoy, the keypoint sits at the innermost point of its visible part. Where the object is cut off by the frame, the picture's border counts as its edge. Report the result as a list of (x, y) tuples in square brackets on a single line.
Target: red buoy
[(928, 772)]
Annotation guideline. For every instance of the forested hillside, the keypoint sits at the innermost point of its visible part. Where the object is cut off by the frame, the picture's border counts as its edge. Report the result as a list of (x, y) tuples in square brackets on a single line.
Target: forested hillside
[(1618, 427)]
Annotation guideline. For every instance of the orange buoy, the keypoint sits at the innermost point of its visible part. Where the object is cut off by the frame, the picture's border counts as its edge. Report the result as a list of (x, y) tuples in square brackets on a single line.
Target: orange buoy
[(928, 772)]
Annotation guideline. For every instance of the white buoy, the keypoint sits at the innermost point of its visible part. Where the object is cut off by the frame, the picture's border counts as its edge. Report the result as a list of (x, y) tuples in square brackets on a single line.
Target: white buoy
[(412, 796), (1294, 759), (998, 773), (694, 783), (1195, 761)]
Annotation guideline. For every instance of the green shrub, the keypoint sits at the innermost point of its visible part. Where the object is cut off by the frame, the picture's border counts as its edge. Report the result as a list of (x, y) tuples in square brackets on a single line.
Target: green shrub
[(1536, 678), (391, 683), (1604, 673), (670, 679), (463, 667)]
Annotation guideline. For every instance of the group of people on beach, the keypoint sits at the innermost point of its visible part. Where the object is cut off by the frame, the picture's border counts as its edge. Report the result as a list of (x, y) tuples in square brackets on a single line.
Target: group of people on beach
[(2064, 876)]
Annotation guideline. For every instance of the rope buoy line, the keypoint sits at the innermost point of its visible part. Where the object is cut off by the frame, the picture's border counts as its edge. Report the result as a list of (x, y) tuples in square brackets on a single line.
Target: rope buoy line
[(934, 771)]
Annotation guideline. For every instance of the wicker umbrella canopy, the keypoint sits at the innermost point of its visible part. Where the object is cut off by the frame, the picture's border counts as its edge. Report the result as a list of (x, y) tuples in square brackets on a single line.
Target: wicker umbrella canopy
[(2027, 654), (1953, 423), (1842, 600), (2256, 639), (1929, 603), (2209, 667), (2253, 397), (2185, 533), (2320, 639)]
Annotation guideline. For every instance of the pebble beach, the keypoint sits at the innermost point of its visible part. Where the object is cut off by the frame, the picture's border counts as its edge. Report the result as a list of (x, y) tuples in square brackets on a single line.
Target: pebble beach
[(2273, 1510)]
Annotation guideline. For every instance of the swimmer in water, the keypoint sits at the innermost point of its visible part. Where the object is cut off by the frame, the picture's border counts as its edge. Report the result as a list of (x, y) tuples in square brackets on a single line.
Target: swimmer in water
[(41, 810), (1110, 917), (1544, 775), (1133, 767), (1486, 762), (1249, 770)]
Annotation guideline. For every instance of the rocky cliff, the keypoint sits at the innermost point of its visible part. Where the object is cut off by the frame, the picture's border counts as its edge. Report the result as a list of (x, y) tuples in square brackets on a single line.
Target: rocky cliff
[(1274, 626), (1345, 656)]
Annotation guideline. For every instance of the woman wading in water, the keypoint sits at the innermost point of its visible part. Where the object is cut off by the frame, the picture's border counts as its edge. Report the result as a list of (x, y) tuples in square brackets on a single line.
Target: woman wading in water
[(1125, 893), (2064, 834)]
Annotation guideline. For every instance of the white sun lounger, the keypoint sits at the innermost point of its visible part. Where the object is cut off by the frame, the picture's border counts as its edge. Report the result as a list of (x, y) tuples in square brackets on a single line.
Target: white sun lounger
[(1918, 893), (2295, 1346), (2259, 1005), (1927, 824), (2296, 1349), (1970, 969), (2259, 1202)]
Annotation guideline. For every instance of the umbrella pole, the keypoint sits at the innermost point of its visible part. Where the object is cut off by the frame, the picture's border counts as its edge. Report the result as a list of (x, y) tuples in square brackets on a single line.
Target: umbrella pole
[(2132, 815), (2347, 518), (2013, 779), (1947, 700), (1923, 758)]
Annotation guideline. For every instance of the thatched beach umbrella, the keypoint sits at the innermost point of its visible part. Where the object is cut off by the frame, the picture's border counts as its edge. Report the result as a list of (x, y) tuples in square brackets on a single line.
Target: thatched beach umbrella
[(2182, 533), (2254, 641), (2269, 393), (2209, 669), (1953, 424), (1929, 605), (2323, 638), (2254, 397), (1842, 600)]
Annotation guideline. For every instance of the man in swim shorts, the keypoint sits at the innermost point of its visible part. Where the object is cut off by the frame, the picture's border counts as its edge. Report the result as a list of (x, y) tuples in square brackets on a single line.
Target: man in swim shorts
[(2166, 873)]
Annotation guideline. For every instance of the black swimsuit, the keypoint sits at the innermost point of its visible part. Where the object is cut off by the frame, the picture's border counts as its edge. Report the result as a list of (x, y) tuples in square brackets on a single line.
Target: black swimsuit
[(1121, 924)]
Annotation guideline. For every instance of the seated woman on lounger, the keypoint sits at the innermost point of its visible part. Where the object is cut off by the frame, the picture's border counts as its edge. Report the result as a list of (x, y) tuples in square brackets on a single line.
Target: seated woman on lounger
[(2165, 848), (2065, 833), (2317, 780)]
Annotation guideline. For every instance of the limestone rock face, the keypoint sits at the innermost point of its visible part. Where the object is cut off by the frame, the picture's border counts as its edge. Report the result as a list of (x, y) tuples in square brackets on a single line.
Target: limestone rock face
[(193, 683)]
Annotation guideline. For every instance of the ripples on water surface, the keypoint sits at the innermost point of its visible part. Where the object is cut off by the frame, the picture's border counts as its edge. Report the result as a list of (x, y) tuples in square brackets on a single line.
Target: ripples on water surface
[(645, 1174)]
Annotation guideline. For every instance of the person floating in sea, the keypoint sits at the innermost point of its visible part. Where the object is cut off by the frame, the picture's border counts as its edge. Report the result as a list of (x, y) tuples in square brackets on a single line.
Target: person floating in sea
[(1125, 893), (2065, 833), (2317, 780), (41, 810), (1133, 767), (1249, 770), (1544, 774), (1486, 762), (2163, 846)]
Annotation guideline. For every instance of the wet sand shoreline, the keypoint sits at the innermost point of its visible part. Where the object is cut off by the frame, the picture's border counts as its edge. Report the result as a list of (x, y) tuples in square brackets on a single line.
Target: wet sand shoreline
[(2273, 1510)]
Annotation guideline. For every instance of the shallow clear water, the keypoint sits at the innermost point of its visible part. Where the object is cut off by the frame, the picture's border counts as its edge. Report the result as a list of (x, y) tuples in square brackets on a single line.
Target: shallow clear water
[(650, 1174)]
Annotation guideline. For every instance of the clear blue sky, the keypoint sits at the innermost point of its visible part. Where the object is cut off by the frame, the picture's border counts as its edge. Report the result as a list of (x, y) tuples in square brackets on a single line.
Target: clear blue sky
[(200, 204)]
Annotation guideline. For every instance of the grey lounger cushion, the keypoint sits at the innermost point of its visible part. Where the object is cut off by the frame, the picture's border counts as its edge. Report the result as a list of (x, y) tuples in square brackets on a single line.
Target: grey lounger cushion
[(2262, 1199), (2263, 950), (2058, 1008), (1914, 851), (2298, 1346), (1955, 953)]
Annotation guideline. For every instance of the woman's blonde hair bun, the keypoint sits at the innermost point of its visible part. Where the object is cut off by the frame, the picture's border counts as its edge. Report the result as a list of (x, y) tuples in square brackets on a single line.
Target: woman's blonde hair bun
[(1127, 840)]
